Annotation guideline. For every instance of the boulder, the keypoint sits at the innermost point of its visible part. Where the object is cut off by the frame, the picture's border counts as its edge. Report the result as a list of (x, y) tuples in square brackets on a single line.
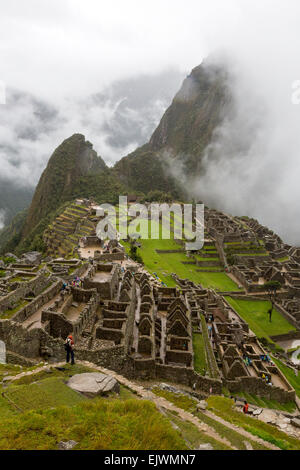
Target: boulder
[(92, 384), (257, 412), (202, 405), (67, 445), (268, 416), (32, 257), (296, 422), (2, 264), (248, 445), (7, 378), (206, 447)]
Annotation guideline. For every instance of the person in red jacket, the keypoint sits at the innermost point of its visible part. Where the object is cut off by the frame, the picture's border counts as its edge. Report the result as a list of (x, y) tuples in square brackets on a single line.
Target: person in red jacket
[(69, 346), (245, 408)]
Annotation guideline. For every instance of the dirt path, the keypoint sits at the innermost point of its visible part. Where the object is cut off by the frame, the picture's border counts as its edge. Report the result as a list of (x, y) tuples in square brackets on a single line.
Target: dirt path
[(163, 404)]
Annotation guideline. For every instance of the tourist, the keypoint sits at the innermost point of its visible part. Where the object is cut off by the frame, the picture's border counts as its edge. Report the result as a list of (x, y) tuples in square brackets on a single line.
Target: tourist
[(64, 286), (245, 408), (69, 347)]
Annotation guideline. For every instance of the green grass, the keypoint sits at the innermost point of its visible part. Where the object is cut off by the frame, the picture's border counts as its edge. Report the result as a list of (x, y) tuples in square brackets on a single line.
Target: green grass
[(166, 264), (223, 407), (255, 313), (178, 399), (236, 439), (47, 411), (265, 403), (217, 281), (189, 404), (96, 425), (200, 365), (250, 255), (193, 436), (6, 410), (9, 313), (289, 374), (212, 365), (66, 372), (48, 393)]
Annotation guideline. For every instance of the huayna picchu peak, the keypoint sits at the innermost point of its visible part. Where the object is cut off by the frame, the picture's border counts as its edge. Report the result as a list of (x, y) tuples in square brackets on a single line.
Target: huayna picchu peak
[(72, 160)]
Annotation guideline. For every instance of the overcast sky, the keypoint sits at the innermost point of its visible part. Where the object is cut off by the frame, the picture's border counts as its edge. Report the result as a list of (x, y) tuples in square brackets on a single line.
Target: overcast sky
[(56, 54)]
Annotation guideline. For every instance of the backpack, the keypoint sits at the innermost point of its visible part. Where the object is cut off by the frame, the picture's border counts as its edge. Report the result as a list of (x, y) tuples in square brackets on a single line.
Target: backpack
[(67, 345)]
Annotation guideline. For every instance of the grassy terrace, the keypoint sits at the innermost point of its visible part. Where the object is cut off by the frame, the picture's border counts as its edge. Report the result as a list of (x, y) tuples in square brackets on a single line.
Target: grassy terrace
[(200, 365), (7, 314), (255, 313), (193, 436), (293, 379), (189, 404), (265, 403), (38, 411), (166, 264), (223, 407)]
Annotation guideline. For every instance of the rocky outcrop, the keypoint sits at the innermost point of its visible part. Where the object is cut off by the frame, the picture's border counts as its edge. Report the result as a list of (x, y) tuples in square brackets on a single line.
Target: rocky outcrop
[(93, 384)]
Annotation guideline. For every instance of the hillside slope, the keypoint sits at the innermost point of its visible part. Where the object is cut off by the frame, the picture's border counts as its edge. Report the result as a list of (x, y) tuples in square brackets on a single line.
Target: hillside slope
[(178, 144), (74, 170), (73, 159)]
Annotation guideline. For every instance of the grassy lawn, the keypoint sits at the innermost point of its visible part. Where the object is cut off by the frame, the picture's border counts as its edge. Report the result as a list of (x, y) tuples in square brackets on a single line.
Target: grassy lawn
[(199, 353), (95, 425), (166, 264), (255, 313), (223, 407), (290, 375), (218, 281)]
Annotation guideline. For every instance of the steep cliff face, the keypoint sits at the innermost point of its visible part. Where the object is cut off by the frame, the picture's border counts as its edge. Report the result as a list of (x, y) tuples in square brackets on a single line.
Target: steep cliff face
[(71, 161), (183, 133)]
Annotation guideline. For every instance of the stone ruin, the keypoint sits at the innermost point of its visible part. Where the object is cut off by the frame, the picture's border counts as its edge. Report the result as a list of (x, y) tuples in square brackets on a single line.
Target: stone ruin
[(121, 319)]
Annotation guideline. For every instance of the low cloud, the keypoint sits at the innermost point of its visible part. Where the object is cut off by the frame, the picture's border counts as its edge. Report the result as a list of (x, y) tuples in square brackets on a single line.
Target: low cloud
[(116, 120), (2, 218)]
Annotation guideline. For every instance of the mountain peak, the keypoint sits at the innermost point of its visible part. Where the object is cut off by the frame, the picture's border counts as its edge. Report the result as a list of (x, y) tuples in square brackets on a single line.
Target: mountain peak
[(69, 163)]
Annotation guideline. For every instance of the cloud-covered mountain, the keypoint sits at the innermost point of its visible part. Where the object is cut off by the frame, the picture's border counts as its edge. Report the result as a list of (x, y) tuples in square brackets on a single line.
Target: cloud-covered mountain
[(117, 120)]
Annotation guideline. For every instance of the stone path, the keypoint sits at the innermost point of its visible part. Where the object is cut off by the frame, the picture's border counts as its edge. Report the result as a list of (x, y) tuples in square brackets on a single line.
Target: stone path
[(162, 403)]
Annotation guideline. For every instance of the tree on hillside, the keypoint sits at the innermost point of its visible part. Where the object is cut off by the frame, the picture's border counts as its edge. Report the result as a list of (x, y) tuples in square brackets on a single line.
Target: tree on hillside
[(272, 288), (134, 254)]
